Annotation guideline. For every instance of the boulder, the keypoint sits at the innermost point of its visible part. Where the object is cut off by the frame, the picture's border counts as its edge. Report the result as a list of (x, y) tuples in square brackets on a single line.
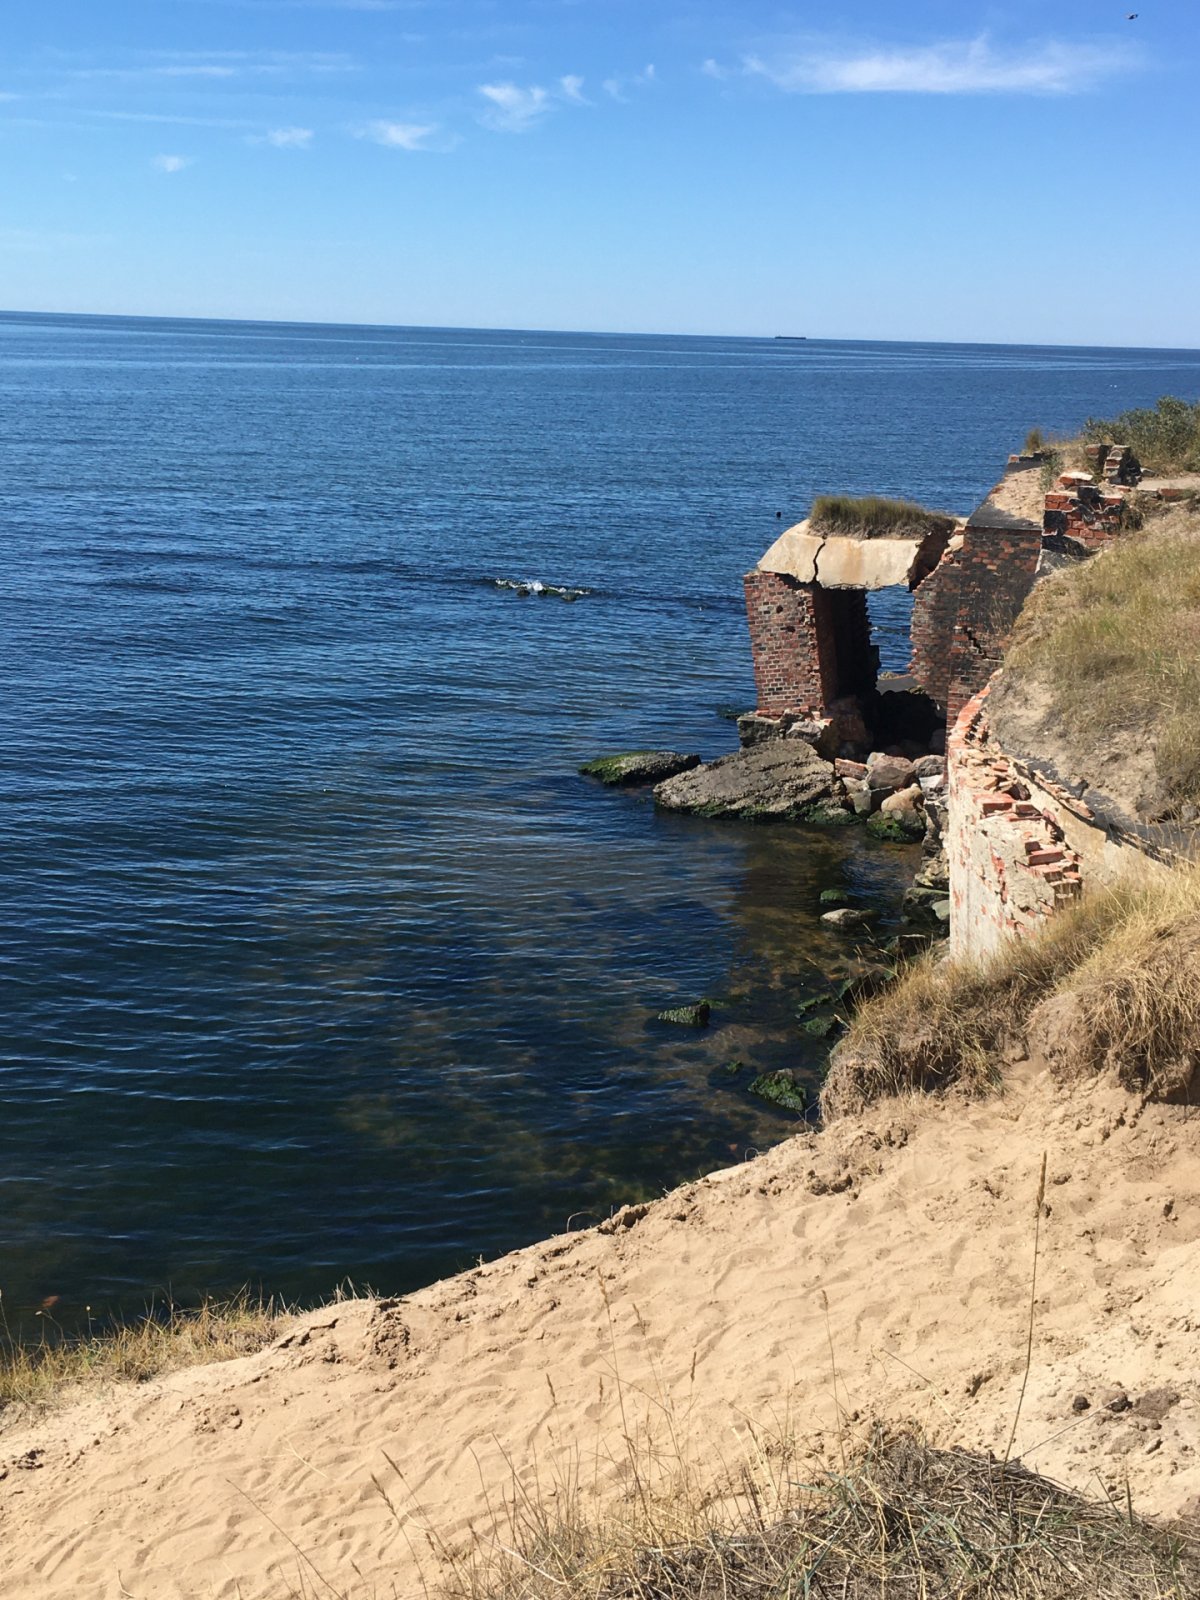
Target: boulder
[(753, 727), (776, 779), (929, 767), (889, 773), (850, 917), (903, 801), (830, 814), (639, 766), (692, 1016), (859, 794), (897, 827), (780, 1088), (821, 735)]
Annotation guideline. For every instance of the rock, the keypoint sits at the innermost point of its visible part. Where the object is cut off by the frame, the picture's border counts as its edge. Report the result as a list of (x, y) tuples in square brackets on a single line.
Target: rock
[(1155, 1403), (775, 779), (639, 766), (819, 732), (868, 980), (693, 1016), (780, 1088), (850, 917), (822, 1027), (889, 773), (903, 801), (1115, 1400), (941, 910), (1080, 1403), (829, 814), (904, 828), (850, 769), (930, 767), (732, 1069), (833, 897), (860, 795), (753, 728), (821, 736)]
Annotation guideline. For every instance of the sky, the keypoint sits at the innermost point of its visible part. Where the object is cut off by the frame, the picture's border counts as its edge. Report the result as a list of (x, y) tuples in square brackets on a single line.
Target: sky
[(1015, 172)]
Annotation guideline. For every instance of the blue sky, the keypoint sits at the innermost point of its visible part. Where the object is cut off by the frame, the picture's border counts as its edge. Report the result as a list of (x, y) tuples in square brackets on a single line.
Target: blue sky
[(1010, 172)]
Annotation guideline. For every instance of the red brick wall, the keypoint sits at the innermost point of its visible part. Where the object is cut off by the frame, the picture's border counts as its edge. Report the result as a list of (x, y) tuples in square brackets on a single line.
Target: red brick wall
[(810, 645), (964, 611), (784, 642)]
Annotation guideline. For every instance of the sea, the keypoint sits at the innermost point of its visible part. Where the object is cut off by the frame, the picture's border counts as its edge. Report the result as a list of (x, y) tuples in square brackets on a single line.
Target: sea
[(321, 963)]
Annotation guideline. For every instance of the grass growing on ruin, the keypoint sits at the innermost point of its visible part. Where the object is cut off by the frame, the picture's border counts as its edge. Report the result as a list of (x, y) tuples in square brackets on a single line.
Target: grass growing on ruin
[(868, 515), (42, 1374), (1116, 645), (901, 1520), (1165, 438), (1126, 962)]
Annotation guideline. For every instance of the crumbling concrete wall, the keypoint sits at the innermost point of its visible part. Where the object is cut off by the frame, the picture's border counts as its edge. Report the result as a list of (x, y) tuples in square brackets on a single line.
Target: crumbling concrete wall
[(1019, 846)]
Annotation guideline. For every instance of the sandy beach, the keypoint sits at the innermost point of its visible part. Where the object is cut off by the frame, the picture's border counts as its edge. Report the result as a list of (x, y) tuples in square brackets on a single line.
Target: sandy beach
[(374, 1432)]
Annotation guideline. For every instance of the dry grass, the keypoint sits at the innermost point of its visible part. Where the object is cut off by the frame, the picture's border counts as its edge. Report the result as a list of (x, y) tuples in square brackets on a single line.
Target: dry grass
[(902, 1521), (1133, 1006), (1116, 643), (871, 516), (52, 1371), (1130, 956)]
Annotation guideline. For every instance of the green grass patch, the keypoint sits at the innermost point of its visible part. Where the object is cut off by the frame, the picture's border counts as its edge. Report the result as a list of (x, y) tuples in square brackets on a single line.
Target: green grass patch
[(872, 516), (1165, 438)]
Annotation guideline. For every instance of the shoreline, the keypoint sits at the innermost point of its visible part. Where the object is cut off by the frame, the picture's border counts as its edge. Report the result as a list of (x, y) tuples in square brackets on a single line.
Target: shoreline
[(570, 1343)]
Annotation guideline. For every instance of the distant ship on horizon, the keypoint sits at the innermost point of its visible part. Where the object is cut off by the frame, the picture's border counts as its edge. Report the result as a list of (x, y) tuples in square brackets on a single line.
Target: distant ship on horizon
[(791, 336)]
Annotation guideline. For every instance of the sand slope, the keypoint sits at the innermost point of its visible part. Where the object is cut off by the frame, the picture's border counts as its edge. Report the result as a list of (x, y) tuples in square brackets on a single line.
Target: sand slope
[(916, 1224)]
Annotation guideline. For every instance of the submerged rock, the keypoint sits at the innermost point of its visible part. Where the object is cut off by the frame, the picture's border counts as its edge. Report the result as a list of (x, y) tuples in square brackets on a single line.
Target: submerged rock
[(777, 779), (780, 1088), (693, 1016), (833, 897), (905, 828), (850, 917), (829, 814), (524, 587), (822, 1027), (639, 766)]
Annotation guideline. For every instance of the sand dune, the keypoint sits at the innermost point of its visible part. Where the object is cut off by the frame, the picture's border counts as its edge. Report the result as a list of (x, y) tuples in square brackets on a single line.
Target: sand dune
[(703, 1314)]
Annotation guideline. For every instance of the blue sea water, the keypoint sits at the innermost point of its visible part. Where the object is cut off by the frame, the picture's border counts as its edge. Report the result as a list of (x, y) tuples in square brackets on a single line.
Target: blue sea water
[(320, 961)]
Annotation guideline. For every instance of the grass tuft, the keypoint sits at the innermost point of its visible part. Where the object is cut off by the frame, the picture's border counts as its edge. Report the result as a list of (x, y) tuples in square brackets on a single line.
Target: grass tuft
[(1123, 968), (40, 1376), (902, 1521), (871, 516)]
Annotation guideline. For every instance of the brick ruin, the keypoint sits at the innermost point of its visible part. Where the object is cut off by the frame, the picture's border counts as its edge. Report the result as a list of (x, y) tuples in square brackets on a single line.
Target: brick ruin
[(811, 637), (806, 601)]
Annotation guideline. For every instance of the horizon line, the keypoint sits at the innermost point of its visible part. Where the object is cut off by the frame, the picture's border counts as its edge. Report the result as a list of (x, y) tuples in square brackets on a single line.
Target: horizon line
[(594, 333)]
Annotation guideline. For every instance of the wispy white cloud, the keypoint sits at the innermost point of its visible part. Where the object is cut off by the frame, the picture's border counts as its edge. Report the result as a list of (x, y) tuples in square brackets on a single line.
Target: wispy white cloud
[(412, 136), (961, 66), (171, 163), (714, 69), (615, 87), (572, 89), (290, 138), (512, 109), (218, 65)]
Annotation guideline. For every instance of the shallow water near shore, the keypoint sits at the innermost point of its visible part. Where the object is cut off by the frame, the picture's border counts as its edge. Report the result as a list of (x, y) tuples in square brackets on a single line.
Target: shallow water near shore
[(322, 962)]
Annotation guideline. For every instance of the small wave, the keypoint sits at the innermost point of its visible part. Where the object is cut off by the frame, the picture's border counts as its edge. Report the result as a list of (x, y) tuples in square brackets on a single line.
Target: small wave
[(523, 587)]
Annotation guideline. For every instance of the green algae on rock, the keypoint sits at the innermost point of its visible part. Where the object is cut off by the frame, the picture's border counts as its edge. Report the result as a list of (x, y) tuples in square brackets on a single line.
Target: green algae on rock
[(781, 1089), (639, 766), (693, 1016)]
